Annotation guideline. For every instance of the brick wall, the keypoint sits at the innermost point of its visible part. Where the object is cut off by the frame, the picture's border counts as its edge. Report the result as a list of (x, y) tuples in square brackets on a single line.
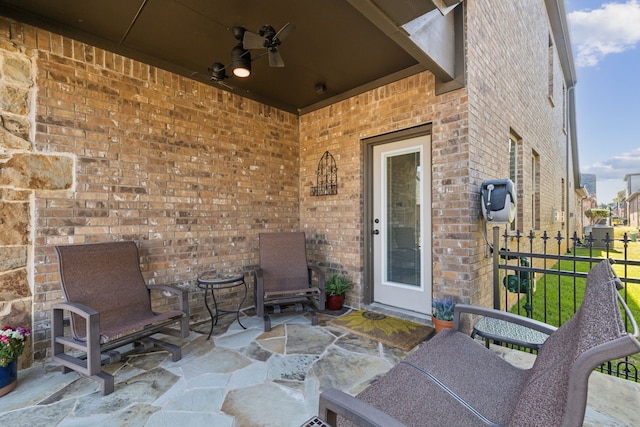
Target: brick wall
[(508, 84), (507, 89), (337, 222), (190, 172)]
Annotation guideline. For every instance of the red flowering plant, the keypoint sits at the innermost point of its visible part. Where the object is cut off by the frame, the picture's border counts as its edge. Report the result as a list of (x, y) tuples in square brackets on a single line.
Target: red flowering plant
[(12, 342)]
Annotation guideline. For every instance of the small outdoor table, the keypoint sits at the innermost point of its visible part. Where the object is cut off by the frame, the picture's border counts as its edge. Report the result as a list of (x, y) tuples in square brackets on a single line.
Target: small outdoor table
[(212, 281), (490, 328)]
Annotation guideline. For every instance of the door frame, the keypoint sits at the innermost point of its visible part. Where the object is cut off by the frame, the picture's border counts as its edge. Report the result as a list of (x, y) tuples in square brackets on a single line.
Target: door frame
[(367, 220)]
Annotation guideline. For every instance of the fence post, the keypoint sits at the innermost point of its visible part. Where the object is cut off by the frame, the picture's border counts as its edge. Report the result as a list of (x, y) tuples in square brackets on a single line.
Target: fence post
[(496, 270)]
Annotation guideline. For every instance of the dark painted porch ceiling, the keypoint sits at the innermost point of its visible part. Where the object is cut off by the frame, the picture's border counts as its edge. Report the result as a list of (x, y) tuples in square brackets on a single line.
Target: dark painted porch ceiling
[(346, 45)]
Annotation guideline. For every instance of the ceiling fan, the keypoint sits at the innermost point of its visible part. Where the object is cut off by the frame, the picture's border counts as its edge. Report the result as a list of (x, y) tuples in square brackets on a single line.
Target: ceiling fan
[(267, 38)]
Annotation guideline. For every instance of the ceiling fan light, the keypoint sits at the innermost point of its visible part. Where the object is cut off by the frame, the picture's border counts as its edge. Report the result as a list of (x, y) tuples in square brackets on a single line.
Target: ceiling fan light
[(241, 72), (240, 61)]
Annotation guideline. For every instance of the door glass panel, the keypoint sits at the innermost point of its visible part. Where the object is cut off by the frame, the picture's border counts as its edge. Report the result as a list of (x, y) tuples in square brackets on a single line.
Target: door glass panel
[(403, 218)]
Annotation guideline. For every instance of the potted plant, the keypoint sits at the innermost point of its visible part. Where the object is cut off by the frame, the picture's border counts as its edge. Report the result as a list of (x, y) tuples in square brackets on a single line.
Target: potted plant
[(12, 343), (443, 313), (335, 288)]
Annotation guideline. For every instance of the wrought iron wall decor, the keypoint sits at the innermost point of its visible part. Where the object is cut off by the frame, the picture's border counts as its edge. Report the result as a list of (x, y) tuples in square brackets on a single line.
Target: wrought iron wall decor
[(326, 177)]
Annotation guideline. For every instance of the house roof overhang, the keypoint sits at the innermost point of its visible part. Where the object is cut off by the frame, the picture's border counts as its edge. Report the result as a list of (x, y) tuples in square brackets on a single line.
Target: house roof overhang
[(339, 48), (560, 28)]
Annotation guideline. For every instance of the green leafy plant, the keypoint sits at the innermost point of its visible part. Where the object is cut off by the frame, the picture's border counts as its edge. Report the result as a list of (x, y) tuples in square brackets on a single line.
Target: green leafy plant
[(12, 343), (336, 285), (443, 308), (596, 214)]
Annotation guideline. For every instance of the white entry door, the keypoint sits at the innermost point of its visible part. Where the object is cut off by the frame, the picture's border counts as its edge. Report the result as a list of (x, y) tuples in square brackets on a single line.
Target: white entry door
[(402, 224)]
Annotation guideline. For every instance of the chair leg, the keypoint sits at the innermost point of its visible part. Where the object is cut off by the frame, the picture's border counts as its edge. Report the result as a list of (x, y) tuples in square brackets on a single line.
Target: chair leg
[(258, 296), (184, 327), (267, 323), (314, 316), (106, 382), (176, 351)]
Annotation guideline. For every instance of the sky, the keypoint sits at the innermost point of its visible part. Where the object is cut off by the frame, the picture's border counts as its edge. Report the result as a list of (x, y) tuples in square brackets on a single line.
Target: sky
[(605, 38)]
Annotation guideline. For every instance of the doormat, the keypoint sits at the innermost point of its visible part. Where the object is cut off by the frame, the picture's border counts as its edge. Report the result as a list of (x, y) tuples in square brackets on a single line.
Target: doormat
[(399, 333)]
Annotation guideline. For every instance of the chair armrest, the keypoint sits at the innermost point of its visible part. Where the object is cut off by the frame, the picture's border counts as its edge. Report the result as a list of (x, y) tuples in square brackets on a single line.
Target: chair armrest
[(335, 403), (80, 309), (183, 300), (171, 289), (92, 322), (182, 295), (318, 272), (91, 346), (502, 315)]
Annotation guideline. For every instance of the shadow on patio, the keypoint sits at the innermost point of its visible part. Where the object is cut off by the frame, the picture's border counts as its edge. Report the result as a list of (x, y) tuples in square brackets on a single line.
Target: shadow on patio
[(245, 378)]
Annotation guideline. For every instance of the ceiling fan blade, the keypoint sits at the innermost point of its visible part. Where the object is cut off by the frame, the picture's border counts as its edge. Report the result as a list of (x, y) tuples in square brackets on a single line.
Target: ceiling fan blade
[(253, 41), (224, 84), (208, 77), (285, 31), (275, 59)]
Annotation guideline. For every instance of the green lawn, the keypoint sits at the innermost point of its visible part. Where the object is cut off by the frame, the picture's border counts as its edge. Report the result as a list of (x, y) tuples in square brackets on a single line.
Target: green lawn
[(564, 294)]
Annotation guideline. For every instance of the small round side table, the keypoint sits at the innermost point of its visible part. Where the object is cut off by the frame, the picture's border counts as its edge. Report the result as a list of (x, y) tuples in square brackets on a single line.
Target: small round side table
[(212, 281)]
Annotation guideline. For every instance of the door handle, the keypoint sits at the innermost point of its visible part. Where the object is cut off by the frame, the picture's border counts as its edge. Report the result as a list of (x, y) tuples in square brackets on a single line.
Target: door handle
[(375, 231)]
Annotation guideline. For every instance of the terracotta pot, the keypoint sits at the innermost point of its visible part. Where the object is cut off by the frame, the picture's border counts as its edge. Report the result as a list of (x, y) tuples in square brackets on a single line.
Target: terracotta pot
[(8, 377), (334, 302), (442, 324)]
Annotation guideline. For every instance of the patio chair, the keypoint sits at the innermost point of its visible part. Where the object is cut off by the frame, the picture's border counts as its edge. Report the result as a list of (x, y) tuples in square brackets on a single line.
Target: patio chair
[(284, 278), (110, 307), (452, 380)]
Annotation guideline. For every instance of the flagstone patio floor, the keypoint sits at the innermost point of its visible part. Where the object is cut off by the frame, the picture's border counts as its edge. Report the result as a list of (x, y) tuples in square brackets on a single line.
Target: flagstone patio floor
[(244, 378)]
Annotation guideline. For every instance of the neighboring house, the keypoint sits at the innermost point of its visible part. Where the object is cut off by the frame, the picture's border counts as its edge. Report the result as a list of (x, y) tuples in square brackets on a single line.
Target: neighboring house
[(633, 183), (99, 147), (633, 209), (587, 204), (632, 200), (589, 200)]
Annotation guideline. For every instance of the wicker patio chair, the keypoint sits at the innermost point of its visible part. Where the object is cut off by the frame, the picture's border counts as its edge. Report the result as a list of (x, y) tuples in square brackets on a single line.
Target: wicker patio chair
[(453, 380), (284, 278), (110, 307)]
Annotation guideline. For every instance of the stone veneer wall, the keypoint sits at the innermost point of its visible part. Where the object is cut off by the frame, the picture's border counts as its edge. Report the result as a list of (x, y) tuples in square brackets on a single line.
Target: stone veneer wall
[(25, 174)]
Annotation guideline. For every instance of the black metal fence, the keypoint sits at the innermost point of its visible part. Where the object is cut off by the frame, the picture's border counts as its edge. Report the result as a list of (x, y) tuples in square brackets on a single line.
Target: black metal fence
[(549, 273)]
